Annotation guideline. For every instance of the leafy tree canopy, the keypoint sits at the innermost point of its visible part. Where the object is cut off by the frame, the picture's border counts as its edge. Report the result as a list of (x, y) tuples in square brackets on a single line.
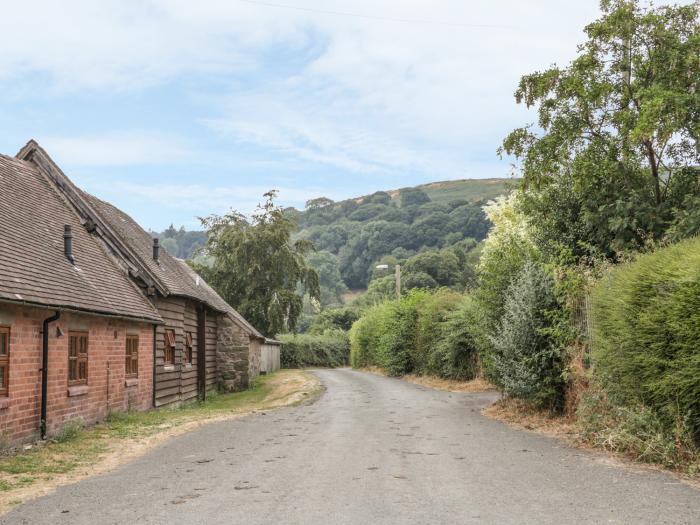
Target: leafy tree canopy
[(618, 127), (256, 268)]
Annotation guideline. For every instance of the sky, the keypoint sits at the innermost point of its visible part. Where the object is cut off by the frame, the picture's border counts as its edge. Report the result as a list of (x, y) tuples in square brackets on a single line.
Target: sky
[(174, 110)]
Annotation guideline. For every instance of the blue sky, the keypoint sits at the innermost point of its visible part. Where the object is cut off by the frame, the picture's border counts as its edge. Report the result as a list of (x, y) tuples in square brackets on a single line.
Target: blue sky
[(177, 109)]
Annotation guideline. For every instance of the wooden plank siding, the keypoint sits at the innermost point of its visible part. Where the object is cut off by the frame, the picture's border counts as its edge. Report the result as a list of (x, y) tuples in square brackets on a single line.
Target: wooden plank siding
[(178, 383)]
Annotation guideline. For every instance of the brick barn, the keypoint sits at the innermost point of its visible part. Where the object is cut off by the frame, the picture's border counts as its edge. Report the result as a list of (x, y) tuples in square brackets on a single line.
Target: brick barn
[(137, 328)]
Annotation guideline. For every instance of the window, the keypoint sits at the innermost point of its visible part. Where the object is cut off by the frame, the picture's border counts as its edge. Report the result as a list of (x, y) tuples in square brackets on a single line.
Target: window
[(4, 359), (77, 358), (132, 356), (188, 347), (169, 354)]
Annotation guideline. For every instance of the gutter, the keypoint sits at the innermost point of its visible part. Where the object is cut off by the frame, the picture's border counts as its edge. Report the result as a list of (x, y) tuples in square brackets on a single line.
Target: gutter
[(83, 311), (45, 370)]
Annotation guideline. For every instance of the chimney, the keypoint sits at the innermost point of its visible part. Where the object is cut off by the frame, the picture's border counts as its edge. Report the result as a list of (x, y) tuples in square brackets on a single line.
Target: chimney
[(68, 243), (156, 250)]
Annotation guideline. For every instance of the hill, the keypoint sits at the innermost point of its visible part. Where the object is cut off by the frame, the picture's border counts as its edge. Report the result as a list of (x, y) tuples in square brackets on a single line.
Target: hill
[(354, 235), (466, 189)]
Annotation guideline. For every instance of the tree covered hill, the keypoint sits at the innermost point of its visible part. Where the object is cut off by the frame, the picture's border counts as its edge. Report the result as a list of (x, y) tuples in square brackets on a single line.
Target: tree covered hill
[(354, 235), (393, 226)]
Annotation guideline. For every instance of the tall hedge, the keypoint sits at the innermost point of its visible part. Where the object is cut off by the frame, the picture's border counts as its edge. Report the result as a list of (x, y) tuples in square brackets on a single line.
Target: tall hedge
[(646, 325), (424, 333), (330, 349)]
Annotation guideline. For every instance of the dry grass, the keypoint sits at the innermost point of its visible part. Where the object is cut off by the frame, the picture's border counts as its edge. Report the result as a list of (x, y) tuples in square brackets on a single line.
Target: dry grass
[(450, 385), (123, 437), (523, 416), (475, 385)]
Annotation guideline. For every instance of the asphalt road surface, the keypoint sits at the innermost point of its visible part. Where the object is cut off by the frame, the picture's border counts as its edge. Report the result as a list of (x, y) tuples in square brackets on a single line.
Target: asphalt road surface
[(371, 450)]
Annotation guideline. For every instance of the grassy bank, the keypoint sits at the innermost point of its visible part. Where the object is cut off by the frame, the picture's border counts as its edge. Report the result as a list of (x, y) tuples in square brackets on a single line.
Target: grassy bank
[(80, 452)]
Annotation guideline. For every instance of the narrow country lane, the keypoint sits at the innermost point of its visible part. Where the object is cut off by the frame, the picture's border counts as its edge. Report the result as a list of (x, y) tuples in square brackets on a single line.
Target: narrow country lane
[(371, 450)]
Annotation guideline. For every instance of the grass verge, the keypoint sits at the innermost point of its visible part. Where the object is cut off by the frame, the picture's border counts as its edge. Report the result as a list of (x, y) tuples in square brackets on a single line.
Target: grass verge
[(78, 452), (450, 385)]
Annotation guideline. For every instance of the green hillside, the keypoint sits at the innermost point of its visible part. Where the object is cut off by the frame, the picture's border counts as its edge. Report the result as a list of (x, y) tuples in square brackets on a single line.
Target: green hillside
[(354, 235), (467, 189)]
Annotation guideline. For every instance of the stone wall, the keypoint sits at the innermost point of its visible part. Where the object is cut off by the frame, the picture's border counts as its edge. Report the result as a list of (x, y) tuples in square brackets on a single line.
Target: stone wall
[(232, 349)]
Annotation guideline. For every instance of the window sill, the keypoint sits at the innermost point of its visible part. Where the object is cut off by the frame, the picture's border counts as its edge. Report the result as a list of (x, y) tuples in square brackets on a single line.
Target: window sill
[(131, 381), (78, 390), (4, 403)]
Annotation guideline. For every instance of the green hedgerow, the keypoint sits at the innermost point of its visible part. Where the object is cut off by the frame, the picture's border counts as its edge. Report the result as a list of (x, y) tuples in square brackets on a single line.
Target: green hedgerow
[(646, 327)]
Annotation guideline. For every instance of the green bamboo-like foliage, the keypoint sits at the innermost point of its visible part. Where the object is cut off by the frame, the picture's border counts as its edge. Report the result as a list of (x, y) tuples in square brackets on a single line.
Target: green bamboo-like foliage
[(646, 326)]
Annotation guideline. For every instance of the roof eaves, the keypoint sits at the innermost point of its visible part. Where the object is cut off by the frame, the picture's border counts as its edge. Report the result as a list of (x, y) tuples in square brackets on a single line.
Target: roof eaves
[(87, 311)]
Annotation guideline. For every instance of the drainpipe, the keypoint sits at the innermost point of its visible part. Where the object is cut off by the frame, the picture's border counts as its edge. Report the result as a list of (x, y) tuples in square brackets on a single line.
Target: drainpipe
[(45, 370), (153, 385)]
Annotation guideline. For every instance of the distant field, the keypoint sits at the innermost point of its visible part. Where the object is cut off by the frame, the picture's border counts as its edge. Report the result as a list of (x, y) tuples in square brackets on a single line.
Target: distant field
[(464, 189)]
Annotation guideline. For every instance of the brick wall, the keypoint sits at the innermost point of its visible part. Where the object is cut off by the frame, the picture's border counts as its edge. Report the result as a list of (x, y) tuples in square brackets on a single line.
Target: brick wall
[(106, 390)]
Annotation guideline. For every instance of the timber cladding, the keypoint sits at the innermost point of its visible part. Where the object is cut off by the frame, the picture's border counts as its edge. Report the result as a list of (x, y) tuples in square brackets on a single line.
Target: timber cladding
[(176, 381)]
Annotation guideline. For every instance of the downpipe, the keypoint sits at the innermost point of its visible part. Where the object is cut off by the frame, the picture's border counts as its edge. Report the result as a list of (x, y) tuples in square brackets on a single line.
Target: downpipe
[(45, 370)]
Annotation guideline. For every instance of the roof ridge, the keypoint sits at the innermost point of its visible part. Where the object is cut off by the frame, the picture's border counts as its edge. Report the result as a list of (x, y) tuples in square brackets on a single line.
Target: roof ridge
[(83, 277), (33, 153)]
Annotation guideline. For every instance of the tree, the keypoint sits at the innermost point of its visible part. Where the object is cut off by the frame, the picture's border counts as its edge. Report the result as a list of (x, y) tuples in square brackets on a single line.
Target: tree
[(318, 203), (621, 122), (413, 197), (527, 361), (331, 283), (256, 268)]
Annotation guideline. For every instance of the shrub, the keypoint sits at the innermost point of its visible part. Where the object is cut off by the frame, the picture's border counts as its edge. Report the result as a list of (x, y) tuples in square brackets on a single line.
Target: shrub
[(646, 327), (636, 431), (341, 318), (527, 362), (454, 354), (330, 349), (425, 333)]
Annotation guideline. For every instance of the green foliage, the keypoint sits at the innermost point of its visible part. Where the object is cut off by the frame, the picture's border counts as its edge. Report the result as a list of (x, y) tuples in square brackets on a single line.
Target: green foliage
[(418, 280), (454, 354), (325, 264), (329, 349), (442, 267), (413, 197), (620, 127), (526, 361), (424, 333), (257, 269), (362, 231), (505, 252), (646, 331), (180, 242), (341, 318), (636, 431)]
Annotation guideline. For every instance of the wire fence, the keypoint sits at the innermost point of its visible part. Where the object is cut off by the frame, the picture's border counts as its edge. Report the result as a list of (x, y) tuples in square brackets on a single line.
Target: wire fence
[(581, 313)]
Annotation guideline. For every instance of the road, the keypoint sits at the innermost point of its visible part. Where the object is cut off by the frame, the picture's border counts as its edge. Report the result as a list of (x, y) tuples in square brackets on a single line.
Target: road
[(372, 450)]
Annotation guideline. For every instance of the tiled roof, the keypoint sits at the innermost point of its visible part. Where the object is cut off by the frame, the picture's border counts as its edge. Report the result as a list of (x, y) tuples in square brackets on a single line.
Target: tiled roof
[(177, 277), (33, 267)]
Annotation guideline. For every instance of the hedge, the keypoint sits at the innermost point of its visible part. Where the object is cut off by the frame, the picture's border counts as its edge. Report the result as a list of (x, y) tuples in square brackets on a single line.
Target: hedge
[(646, 327), (330, 349), (424, 333)]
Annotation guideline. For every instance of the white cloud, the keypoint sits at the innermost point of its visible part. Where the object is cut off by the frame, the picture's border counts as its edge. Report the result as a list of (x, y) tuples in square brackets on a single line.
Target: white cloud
[(120, 149), (364, 94)]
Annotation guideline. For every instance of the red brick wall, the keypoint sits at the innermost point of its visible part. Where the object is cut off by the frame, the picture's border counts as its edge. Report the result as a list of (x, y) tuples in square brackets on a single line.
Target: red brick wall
[(106, 386)]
